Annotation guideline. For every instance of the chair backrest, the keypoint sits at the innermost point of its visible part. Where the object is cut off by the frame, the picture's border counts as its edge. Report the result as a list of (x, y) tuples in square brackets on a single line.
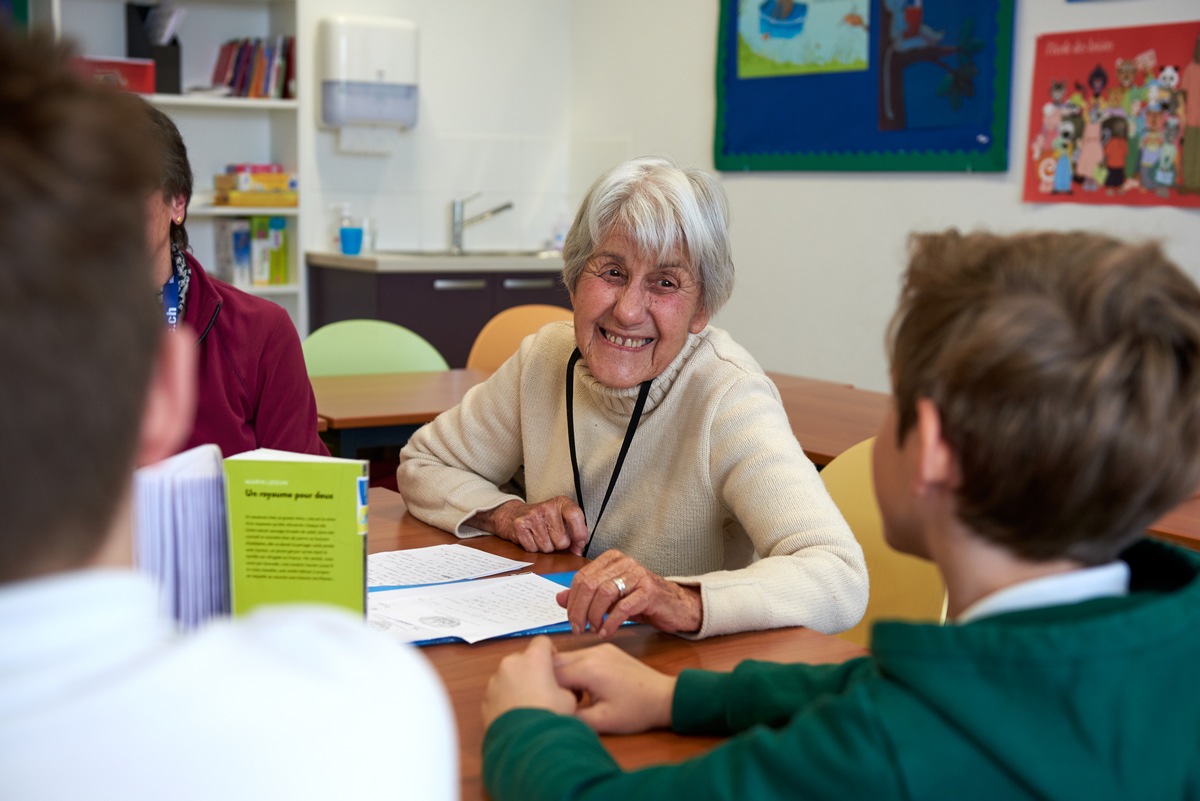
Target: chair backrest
[(903, 587), (502, 335), (361, 347)]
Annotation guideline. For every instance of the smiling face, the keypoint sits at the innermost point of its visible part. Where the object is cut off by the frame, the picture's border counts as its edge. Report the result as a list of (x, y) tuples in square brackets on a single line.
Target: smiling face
[(633, 311)]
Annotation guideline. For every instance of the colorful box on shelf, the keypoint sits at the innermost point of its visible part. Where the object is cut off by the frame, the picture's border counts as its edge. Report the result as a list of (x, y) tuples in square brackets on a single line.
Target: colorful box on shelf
[(134, 74), (255, 182), (236, 197)]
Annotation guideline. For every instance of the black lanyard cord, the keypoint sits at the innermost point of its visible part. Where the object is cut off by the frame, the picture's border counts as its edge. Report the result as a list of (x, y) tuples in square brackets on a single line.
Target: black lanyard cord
[(643, 393)]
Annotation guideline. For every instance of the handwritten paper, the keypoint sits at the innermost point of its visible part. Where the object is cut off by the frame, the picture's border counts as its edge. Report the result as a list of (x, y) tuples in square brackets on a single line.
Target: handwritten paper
[(471, 611), (434, 565)]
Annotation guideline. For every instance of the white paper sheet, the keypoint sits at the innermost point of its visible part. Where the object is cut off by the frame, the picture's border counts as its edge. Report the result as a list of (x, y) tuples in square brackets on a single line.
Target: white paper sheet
[(434, 565), (471, 611)]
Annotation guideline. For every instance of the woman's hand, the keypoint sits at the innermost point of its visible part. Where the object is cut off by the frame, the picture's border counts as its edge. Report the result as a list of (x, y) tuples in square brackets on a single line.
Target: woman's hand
[(621, 695), (526, 680), (554, 525), (595, 598)]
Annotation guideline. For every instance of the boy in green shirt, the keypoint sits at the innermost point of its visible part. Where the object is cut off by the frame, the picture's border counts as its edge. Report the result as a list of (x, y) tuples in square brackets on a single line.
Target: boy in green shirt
[(1046, 411)]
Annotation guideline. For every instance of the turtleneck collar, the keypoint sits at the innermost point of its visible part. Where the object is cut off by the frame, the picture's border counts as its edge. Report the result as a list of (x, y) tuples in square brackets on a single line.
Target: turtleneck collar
[(621, 401)]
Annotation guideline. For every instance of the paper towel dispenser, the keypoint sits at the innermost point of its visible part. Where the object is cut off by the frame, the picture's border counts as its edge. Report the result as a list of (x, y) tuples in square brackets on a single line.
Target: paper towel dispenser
[(368, 72)]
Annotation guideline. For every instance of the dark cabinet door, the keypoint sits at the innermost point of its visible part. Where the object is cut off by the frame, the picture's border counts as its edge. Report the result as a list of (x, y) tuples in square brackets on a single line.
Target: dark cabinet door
[(518, 289), (448, 309), (335, 295)]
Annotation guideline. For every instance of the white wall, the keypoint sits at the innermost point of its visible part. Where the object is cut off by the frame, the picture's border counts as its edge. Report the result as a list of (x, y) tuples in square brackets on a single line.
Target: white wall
[(529, 100), (492, 119), (819, 254)]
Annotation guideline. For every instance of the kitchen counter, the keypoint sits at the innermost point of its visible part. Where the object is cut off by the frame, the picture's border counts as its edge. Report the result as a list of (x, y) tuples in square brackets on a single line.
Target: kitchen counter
[(446, 299), (440, 261)]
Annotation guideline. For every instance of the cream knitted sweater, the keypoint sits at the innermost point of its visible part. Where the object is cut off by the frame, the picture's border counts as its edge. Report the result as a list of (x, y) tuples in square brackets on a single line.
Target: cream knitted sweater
[(715, 491)]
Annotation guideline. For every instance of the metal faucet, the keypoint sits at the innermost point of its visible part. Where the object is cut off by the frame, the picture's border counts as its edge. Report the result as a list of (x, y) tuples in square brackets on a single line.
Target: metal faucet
[(457, 223)]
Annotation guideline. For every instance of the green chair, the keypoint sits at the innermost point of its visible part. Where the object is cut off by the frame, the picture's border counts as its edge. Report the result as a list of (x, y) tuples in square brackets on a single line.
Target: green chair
[(363, 347)]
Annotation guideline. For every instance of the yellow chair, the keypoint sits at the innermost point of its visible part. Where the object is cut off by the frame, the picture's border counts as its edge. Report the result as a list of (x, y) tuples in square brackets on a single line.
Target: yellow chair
[(502, 335), (364, 347), (903, 587)]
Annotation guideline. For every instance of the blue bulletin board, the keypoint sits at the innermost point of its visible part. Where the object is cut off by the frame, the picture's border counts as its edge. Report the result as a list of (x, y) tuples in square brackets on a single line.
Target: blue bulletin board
[(864, 85), (15, 11)]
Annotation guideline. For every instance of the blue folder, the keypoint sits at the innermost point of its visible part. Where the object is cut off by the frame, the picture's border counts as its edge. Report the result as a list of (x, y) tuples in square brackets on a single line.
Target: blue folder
[(555, 628)]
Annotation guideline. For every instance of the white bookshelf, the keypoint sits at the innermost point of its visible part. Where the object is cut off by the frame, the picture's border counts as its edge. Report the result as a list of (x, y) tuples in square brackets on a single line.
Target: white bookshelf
[(217, 130), (202, 101), (206, 209)]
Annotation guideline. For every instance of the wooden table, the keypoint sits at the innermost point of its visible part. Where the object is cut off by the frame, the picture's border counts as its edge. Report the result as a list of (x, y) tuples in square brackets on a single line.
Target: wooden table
[(1181, 525), (465, 669), (827, 417), (365, 410), (361, 411)]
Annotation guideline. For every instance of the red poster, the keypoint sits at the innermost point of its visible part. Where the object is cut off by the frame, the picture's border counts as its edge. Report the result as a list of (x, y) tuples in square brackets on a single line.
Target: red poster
[(1116, 117)]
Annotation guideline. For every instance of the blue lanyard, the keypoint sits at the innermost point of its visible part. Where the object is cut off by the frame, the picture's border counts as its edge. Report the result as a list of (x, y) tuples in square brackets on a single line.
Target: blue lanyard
[(170, 297)]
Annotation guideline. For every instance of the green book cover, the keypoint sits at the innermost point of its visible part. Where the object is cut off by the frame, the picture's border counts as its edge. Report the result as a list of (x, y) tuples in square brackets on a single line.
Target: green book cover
[(297, 529)]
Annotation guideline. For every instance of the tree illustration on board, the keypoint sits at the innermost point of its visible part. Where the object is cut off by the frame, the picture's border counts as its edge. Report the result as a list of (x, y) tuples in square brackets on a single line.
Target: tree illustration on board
[(905, 39)]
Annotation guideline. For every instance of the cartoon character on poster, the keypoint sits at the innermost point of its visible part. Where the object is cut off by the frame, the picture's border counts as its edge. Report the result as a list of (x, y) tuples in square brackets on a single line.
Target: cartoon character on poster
[(1115, 133), (799, 37), (1168, 159), (1091, 149), (1131, 132)]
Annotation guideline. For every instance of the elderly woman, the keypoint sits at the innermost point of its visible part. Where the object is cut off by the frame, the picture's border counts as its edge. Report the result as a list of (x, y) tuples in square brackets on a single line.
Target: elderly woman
[(649, 439), (253, 386)]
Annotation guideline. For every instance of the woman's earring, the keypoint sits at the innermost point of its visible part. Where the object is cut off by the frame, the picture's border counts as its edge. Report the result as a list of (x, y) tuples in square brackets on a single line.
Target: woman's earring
[(179, 221)]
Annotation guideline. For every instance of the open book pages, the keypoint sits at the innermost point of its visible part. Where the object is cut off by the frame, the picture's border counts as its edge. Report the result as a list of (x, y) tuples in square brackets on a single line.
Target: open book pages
[(180, 533)]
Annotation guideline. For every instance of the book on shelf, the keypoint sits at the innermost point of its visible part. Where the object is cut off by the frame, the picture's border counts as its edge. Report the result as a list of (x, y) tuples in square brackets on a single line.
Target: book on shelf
[(262, 257), (233, 250), (256, 67), (288, 85), (223, 66), (278, 249), (244, 68), (274, 83), (260, 251), (237, 198), (255, 182), (263, 527), (254, 166)]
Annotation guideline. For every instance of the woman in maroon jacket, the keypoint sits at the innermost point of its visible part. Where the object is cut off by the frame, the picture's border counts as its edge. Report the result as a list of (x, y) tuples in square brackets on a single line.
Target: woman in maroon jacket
[(253, 387)]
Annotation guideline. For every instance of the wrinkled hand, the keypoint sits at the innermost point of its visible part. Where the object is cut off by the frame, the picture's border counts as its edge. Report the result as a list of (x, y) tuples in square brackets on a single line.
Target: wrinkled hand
[(648, 598), (623, 696), (526, 680), (554, 525)]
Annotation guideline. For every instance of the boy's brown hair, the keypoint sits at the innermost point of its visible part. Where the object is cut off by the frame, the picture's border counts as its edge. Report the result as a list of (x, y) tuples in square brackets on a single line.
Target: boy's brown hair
[(1066, 370), (78, 322)]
